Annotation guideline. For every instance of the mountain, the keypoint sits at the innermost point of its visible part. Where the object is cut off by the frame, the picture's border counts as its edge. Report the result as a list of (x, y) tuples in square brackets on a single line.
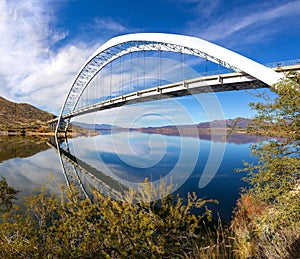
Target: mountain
[(238, 123), (22, 117)]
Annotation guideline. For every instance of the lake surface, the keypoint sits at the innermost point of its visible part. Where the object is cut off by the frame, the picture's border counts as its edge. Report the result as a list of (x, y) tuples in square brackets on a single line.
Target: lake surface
[(125, 159)]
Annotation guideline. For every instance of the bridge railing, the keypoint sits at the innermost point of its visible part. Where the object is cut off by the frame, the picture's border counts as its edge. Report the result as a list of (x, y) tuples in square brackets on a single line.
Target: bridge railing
[(217, 72), (270, 65), (283, 63)]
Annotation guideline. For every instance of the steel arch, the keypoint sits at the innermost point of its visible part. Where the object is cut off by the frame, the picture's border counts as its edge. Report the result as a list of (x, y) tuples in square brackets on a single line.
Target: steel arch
[(122, 45)]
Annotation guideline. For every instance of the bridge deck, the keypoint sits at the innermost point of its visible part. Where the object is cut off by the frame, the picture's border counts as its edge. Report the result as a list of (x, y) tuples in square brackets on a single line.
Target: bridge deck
[(204, 84)]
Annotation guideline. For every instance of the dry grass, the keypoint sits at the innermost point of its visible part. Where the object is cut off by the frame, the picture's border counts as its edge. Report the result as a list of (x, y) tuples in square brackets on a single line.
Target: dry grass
[(217, 243), (259, 231)]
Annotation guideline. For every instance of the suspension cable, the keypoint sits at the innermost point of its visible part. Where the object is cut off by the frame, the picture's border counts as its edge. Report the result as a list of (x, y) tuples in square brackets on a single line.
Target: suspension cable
[(110, 80), (122, 74), (130, 71), (144, 70), (160, 57), (137, 71), (181, 65)]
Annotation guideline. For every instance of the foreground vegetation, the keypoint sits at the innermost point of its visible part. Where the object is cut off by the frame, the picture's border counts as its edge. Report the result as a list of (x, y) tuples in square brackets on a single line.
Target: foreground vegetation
[(70, 227), (266, 222)]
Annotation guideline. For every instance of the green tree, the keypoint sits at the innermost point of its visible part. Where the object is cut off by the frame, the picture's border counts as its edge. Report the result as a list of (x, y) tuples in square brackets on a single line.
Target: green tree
[(267, 220)]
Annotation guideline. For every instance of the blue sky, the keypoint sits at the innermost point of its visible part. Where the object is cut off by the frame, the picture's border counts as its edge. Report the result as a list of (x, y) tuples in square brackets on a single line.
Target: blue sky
[(44, 43)]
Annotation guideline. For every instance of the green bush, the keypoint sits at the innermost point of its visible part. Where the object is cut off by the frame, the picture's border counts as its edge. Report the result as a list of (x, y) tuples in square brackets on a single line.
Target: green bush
[(71, 227)]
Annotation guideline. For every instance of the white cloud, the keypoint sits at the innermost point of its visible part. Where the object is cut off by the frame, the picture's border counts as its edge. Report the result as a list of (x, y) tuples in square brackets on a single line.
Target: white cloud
[(35, 67), (49, 83), (32, 69)]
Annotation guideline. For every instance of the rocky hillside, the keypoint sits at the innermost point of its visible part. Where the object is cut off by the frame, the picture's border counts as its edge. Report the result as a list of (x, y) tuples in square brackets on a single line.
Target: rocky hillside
[(22, 116)]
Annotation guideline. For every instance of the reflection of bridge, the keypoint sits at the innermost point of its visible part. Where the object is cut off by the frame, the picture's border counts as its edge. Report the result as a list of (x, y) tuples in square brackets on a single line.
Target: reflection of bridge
[(80, 174), (119, 73)]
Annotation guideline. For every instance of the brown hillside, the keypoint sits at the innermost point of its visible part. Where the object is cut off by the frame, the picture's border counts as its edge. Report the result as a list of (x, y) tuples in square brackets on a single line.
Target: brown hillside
[(22, 116)]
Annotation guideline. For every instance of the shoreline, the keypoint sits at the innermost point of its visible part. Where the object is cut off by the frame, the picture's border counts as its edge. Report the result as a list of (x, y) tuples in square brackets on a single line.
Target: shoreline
[(26, 133)]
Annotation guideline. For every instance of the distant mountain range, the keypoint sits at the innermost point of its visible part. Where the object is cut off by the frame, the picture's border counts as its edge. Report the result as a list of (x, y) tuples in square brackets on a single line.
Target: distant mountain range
[(22, 116), (238, 123), (213, 130)]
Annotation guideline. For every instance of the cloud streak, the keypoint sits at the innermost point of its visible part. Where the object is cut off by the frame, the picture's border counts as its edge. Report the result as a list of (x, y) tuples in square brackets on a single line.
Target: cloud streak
[(108, 24), (254, 22)]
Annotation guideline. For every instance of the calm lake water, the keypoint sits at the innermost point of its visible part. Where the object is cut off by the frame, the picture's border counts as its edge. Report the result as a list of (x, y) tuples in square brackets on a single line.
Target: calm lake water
[(127, 158)]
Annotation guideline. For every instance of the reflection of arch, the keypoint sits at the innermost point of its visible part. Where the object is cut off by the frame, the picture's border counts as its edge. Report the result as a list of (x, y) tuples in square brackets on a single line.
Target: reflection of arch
[(122, 45), (73, 167)]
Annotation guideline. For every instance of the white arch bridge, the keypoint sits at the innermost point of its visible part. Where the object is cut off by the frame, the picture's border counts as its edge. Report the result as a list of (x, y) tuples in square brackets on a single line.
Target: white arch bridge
[(138, 67)]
